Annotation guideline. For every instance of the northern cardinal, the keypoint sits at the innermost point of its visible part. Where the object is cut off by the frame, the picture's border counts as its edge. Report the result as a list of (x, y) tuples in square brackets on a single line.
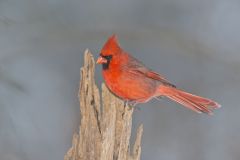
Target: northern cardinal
[(130, 80)]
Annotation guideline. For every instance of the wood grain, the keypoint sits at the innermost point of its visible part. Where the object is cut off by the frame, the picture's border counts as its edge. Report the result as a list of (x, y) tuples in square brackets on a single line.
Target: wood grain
[(105, 128)]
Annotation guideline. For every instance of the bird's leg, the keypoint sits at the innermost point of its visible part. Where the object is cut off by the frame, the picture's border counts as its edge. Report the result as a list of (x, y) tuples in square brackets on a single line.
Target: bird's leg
[(126, 103), (129, 103), (132, 103)]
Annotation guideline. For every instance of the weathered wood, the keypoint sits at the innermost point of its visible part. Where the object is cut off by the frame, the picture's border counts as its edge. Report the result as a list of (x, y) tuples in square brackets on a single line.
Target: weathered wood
[(104, 132)]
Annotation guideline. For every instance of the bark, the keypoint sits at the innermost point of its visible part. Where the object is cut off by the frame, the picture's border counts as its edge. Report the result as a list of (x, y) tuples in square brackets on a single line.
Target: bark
[(105, 128)]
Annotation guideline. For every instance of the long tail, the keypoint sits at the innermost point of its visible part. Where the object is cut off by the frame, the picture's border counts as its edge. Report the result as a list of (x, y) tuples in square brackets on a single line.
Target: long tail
[(193, 102)]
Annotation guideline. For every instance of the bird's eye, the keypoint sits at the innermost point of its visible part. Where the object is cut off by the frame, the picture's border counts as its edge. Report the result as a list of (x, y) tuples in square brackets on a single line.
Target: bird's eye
[(108, 57)]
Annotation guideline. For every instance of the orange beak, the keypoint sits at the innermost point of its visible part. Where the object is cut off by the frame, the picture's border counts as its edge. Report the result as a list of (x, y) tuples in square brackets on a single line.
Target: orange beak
[(101, 60)]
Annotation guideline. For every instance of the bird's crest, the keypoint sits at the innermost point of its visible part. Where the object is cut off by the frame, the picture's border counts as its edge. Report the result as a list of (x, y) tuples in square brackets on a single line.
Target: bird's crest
[(111, 47)]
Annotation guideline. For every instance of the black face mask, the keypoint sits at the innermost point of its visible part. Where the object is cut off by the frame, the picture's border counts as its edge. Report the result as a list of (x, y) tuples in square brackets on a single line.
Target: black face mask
[(106, 65)]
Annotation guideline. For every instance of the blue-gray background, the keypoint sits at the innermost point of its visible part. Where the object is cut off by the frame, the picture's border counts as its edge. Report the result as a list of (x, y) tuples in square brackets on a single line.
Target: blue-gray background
[(195, 44)]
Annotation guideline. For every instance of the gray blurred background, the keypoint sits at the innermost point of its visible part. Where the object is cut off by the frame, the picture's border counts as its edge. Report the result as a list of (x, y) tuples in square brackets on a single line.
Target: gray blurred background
[(195, 44)]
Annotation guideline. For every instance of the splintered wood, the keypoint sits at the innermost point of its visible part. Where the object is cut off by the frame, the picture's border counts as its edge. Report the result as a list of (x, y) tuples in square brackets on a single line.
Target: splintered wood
[(105, 129)]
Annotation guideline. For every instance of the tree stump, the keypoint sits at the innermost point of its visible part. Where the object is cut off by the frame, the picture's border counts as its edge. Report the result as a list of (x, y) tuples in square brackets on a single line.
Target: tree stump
[(105, 129)]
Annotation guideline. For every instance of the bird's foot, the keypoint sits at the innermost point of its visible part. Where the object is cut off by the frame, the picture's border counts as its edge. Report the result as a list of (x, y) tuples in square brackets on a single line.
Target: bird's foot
[(131, 105)]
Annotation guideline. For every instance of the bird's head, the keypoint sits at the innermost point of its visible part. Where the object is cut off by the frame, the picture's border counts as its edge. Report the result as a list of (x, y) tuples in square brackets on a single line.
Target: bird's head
[(110, 49)]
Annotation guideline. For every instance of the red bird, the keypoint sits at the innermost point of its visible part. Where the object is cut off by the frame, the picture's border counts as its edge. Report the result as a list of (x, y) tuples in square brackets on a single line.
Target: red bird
[(130, 80)]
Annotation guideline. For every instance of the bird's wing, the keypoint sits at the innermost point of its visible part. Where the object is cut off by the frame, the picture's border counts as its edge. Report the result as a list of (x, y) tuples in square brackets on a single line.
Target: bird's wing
[(136, 67)]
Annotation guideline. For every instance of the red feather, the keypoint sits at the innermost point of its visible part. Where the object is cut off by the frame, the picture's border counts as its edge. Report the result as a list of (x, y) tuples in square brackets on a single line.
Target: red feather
[(130, 80)]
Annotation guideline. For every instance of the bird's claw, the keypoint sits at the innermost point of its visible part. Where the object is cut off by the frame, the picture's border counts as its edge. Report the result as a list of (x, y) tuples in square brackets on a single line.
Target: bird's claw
[(131, 105)]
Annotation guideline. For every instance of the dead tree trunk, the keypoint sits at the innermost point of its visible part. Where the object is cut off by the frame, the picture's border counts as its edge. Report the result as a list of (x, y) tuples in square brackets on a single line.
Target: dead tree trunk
[(104, 131)]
